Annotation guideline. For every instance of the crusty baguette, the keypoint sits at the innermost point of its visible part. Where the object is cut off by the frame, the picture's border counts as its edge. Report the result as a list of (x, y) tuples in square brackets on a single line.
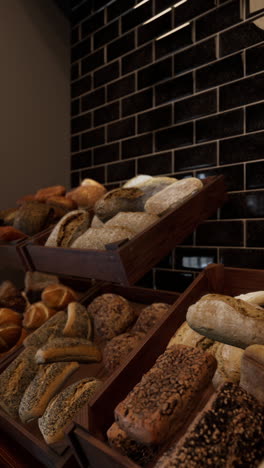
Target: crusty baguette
[(50, 329), (252, 371), (68, 349), (160, 402), (46, 383), (79, 324), (255, 297), (63, 407)]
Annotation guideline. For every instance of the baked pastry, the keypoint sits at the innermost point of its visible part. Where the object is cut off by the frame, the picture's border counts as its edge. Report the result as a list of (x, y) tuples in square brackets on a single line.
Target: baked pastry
[(98, 238), (134, 221), (49, 330), (112, 314), (47, 382), (37, 314), (62, 408), (228, 433), (120, 199), (33, 217), (173, 196), (58, 296), (226, 319), (11, 297), (8, 316), (139, 453), (45, 193), (15, 379), (69, 228), (68, 349), (150, 316), (119, 347), (187, 336), (137, 180), (87, 195), (252, 371), (79, 324), (9, 234), (35, 282), (255, 297), (159, 404)]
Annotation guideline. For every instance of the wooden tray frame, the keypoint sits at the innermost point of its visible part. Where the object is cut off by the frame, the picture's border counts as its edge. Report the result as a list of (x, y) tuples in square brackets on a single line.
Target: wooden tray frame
[(12, 254), (87, 432), (127, 261)]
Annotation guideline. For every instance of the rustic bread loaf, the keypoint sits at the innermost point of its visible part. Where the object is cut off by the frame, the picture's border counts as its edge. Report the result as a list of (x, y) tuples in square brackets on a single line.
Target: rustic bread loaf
[(150, 316), (112, 314), (228, 320), (47, 192), (229, 432), (62, 408), (117, 349), (96, 222), (35, 282), (58, 296), (255, 297), (68, 349), (50, 329), (79, 324), (8, 316), (9, 234), (7, 216), (48, 380), (3, 345), (120, 199), (37, 314), (15, 379), (162, 400), (11, 297), (87, 195), (228, 363), (252, 371), (155, 185), (187, 336), (137, 180), (61, 205), (173, 196), (69, 228), (134, 221), (86, 182), (33, 217), (98, 238)]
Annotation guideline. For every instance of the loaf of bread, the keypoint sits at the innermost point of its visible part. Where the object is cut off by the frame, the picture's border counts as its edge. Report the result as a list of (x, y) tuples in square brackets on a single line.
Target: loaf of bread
[(79, 324), (3, 346), (9, 234), (87, 195), (69, 228), (159, 404), (15, 379), (226, 319), (98, 238), (155, 185), (252, 371), (173, 196), (11, 297), (35, 282), (68, 349), (120, 199), (8, 316), (50, 329), (150, 316), (137, 180), (61, 205), (187, 336), (37, 314), (255, 297), (10, 333), (228, 363), (96, 222), (62, 408), (7, 216), (25, 198), (112, 314), (58, 296), (33, 217), (229, 432), (87, 182), (48, 380), (45, 193), (119, 347), (134, 221), (139, 453)]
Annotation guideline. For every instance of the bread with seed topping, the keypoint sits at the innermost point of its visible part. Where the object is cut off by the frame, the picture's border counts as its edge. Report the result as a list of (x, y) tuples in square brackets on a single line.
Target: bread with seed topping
[(79, 324), (68, 349), (50, 329)]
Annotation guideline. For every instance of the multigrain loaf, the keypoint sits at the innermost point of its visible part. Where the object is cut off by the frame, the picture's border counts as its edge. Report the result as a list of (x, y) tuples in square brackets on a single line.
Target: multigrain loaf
[(119, 347), (79, 323), (50, 329), (134, 221), (15, 379), (62, 408), (69, 228), (98, 238), (68, 349), (120, 199), (47, 382), (150, 316), (229, 432), (252, 371), (33, 217), (96, 222), (228, 320), (159, 404)]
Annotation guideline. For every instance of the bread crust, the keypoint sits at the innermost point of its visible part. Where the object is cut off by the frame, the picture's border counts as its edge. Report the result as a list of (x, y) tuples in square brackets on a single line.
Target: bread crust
[(68, 349)]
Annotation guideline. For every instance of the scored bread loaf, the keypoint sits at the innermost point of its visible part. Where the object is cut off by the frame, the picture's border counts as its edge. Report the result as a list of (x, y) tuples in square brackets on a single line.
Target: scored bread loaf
[(69, 228), (64, 406), (37, 314), (58, 296), (159, 404), (120, 199), (10, 328), (78, 323), (46, 383), (134, 221), (15, 379), (68, 349), (50, 329), (228, 320), (98, 238), (252, 371)]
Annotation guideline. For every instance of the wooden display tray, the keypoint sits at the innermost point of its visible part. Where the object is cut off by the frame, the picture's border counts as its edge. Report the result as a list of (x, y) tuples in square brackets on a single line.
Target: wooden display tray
[(87, 434), (28, 435), (126, 262), (12, 254)]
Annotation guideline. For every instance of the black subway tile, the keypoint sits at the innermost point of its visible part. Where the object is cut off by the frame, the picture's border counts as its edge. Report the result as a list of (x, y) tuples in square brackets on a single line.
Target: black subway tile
[(80, 50), (195, 157), (93, 23), (253, 7), (154, 119), (161, 5), (194, 258), (106, 34), (121, 46), (121, 87), (107, 153), (93, 61), (99, 4), (78, 124), (154, 73), (137, 102), (244, 205), (120, 171), (242, 258), (234, 176), (75, 107), (75, 71), (190, 9), (255, 175), (173, 137), (81, 160), (75, 179), (157, 164), (220, 126), (155, 28), (166, 262), (106, 74), (172, 280), (174, 89), (106, 114), (195, 56), (137, 16), (218, 19), (75, 144), (81, 86), (119, 7), (75, 35), (242, 92), (122, 129), (146, 281), (243, 148), (222, 71), (224, 233), (197, 106), (94, 99), (255, 234), (254, 59), (255, 117), (97, 173), (240, 37), (80, 13), (137, 146), (93, 138), (137, 59), (174, 41)]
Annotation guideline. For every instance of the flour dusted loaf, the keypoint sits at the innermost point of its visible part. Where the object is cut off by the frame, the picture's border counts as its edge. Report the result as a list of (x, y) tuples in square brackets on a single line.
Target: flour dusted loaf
[(50, 329), (120, 199), (134, 221), (161, 401), (119, 347), (226, 319), (68, 349), (155, 185), (137, 180), (78, 323), (98, 238), (252, 371), (112, 314), (69, 228), (150, 316), (46, 383), (187, 336), (229, 432), (62, 408), (15, 379), (58, 296), (173, 196)]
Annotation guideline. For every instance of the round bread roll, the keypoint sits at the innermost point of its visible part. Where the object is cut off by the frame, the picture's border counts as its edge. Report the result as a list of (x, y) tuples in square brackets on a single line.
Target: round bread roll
[(149, 316), (37, 314), (10, 333), (58, 296), (87, 195), (86, 182), (11, 298), (112, 315), (61, 205), (9, 234), (47, 192), (25, 198), (119, 347), (8, 316)]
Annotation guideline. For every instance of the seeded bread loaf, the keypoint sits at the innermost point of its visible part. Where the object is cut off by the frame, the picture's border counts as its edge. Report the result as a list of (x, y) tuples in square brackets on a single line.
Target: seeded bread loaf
[(119, 347), (79, 324), (252, 371), (98, 238), (162, 400), (134, 221), (62, 408), (150, 316), (69, 228), (68, 349), (50, 329)]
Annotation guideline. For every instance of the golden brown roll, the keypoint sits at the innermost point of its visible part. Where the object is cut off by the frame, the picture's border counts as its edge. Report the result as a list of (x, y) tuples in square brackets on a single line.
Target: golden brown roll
[(9, 234), (58, 296), (47, 192), (87, 195), (37, 314)]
